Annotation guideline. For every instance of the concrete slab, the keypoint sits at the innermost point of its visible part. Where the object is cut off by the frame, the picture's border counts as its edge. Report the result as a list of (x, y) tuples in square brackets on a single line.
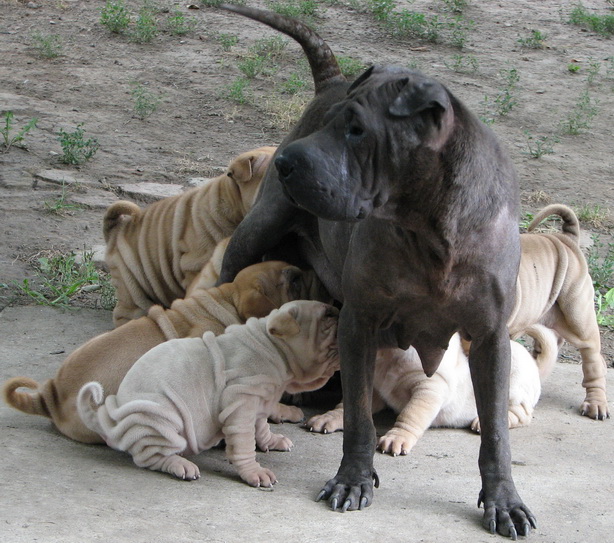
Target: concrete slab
[(53, 489)]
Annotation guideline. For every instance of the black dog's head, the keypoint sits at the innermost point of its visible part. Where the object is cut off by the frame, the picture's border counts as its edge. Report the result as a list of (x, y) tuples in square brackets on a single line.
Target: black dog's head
[(371, 145)]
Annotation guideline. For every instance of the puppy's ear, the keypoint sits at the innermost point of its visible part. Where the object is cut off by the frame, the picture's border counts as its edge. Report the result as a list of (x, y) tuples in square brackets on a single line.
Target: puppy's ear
[(240, 169), (283, 323), (254, 303)]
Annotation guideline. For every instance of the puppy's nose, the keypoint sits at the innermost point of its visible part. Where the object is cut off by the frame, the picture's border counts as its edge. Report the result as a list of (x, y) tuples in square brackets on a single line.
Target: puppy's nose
[(284, 166)]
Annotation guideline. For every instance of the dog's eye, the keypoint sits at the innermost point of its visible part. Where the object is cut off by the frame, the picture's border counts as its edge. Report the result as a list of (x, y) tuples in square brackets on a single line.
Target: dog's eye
[(355, 131)]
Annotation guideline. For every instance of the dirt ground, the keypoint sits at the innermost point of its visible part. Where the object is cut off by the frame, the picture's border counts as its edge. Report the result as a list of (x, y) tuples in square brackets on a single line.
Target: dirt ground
[(197, 128)]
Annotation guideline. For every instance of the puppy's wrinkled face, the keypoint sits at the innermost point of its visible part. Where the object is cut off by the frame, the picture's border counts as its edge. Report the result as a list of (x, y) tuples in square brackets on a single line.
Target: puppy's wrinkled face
[(247, 171), (308, 330)]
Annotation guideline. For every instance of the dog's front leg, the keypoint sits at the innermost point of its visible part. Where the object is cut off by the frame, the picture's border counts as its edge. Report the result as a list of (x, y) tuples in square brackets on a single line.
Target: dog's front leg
[(352, 487), (504, 511)]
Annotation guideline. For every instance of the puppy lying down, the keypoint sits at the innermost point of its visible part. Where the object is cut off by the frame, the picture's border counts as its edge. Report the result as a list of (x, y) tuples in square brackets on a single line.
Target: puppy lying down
[(446, 399), (186, 395)]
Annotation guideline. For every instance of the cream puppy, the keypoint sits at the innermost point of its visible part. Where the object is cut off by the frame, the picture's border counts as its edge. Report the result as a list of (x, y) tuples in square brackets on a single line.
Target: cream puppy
[(186, 395)]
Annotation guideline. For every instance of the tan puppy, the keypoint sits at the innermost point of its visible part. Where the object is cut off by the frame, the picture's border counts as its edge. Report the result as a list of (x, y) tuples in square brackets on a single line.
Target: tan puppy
[(555, 289), (186, 395), (446, 398), (255, 292), (154, 254)]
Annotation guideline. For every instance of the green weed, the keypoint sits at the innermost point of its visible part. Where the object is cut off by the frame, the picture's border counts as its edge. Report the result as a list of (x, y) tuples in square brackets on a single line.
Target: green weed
[(593, 215), (535, 40), (145, 101), (600, 260), (47, 45), (539, 146), (76, 149), (294, 84), (456, 6), (10, 138), (601, 24), (252, 65), (581, 116), (145, 27), (61, 206), (349, 66), (573, 68), (115, 16), (227, 41), (179, 25), (237, 91), (303, 10), (463, 63), (604, 308)]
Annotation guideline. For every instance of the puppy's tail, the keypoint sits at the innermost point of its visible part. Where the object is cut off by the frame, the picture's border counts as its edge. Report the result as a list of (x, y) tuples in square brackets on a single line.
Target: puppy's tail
[(119, 212), (545, 348), (31, 403), (571, 225), (89, 399)]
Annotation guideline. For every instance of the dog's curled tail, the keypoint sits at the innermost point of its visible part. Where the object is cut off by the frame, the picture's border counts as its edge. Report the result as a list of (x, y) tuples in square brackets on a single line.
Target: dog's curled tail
[(31, 403), (545, 348), (117, 213), (324, 66), (90, 396), (571, 225)]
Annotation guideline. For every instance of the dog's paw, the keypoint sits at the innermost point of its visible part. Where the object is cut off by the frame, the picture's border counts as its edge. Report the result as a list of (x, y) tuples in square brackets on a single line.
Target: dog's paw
[(326, 423), (277, 442), (259, 477), (286, 413), (597, 410), (183, 469), (396, 442)]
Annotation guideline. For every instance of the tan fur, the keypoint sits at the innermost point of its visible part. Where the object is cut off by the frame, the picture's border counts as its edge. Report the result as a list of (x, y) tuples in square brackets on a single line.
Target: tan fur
[(555, 289), (107, 358), (155, 253)]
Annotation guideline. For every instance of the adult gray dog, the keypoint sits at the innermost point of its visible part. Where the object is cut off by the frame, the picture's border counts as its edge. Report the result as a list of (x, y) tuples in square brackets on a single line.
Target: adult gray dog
[(406, 207)]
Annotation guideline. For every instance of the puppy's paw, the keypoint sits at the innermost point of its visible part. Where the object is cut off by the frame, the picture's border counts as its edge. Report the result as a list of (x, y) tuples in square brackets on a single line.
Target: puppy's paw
[(259, 477), (597, 410), (396, 442), (183, 469), (286, 413), (326, 423), (475, 425), (278, 443)]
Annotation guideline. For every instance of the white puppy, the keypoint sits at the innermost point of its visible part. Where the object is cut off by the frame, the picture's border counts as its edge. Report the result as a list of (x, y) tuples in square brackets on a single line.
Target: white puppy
[(446, 398), (186, 395)]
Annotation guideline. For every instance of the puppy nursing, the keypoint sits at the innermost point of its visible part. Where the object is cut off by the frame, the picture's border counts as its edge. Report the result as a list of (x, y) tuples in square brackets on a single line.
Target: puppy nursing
[(155, 253), (186, 395), (106, 358)]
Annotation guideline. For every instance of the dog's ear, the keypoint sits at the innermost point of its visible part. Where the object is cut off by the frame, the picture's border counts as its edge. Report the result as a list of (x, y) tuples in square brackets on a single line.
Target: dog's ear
[(361, 79), (253, 303), (240, 169), (424, 97), (283, 323)]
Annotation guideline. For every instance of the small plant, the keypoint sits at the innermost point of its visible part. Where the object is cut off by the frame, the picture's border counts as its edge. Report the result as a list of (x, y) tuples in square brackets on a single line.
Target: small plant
[(535, 40), (179, 25), (236, 91), (601, 24), (145, 26), (284, 113), (382, 9), (294, 84), (304, 10), (573, 68), (350, 66), (76, 148), (271, 47), (115, 16), (593, 71), (539, 146), (600, 260), (506, 98), (252, 65), (227, 41), (48, 46), (61, 206), (456, 6), (145, 101), (580, 118), (458, 29), (61, 277), (463, 63), (604, 308), (593, 215), (14, 139), (412, 23)]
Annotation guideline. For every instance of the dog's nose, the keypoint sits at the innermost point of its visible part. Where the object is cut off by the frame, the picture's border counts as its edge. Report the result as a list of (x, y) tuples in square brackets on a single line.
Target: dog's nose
[(284, 166)]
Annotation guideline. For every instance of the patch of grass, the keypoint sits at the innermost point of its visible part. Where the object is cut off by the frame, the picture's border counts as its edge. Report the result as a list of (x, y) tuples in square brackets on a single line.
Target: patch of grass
[(252, 65), (76, 148), (47, 45), (463, 64), (600, 260), (61, 277), (458, 29), (594, 66), (601, 24), (145, 27), (604, 308), (538, 146), (535, 40), (304, 10), (294, 84), (573, 68), (145, 101), (237, 91), (581, 116), (10, 138), (61, 206), (349, 66), (179, 24), (284, 113), (505, 100), (271, 47), (115, 16), (456, 6), (227, 41), (593, 215)]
